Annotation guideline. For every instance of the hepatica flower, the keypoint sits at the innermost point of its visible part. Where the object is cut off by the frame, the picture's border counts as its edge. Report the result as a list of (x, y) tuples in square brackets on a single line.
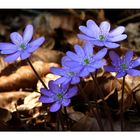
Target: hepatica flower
[(100, 35), (59, 95), (67, 75), (123, 65), (20, 46), (83, 60)]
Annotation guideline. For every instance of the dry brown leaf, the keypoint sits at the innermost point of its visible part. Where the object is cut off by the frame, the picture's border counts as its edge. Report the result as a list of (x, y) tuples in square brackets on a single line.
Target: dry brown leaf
[(86, 124), (9, 100), (52, 22), (106, 82), (47, 55), (128, 97), (109, 84), (24, 77), (5, 115), (30, 102)]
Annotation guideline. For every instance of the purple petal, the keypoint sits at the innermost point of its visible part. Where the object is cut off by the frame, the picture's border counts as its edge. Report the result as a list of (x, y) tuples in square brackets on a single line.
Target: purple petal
[(54, 87), (46, 92), (120, 74), (8, 46), (133, 72), (62, 80), (55, 107), (66, 102), (110, 69), (117, 38), (79, 50), (84, 37), (77, 69), (24, 55), (35, 44), (100, 54), (97, 43), (88, 49), (128, 56), (86, 31), (28, 34), (114, 56), (71, 92), (94, 28), (12, 57), (58, 71), (135, 63), (45, 99), (98, 64), (16, 38), (118, 31), (64, 60), (8, 51), (105, 27), (84, 72), (90, 68), (73, 56), (111, 45), (72, 64), (65, 87), (75, 80)]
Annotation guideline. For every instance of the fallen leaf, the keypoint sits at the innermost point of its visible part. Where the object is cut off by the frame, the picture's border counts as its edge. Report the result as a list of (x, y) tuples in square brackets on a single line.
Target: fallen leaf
[(24, 77)]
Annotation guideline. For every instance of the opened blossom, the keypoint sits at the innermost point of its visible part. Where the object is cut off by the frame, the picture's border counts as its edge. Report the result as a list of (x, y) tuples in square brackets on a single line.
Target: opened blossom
[(101, 35), (67, 75), (123, 65), (58, 95), (84, 61), (21, 45)]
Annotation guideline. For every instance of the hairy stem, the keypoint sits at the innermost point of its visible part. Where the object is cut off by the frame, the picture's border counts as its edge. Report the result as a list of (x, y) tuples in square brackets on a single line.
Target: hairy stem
[(66, 114), (101, 95), (37, 75), (121, 113), (97, 116)]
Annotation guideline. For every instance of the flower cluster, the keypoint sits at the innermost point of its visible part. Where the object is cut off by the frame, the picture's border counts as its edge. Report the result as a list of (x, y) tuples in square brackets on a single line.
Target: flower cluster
[(78, 64), (20, 46)]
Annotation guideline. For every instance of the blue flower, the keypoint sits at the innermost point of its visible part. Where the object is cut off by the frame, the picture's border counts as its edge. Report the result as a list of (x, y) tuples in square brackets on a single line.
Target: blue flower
[(67, 75), (84, 61), (123, 65), (59, 95), (20, 46), (100, 35)]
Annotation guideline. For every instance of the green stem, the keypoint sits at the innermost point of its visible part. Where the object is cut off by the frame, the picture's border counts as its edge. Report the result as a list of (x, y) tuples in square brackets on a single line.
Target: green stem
[(37, 75), (122, 97), (101, 95)]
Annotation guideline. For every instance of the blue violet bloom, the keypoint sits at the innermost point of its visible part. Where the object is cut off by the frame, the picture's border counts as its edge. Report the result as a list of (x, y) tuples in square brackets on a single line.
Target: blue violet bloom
[(59, 95), (20, 46), (123, 65), (100, 35), (84, 61), (67, 75)]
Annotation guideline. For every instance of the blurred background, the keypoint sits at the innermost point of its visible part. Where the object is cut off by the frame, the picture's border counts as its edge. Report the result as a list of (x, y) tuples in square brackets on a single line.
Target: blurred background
[(19, 106)]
